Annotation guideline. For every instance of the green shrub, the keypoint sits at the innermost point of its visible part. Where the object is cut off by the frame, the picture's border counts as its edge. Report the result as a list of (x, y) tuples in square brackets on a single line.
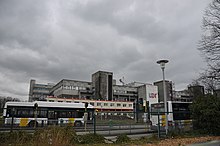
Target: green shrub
[(123, 138), (91, 139), (206, 115)]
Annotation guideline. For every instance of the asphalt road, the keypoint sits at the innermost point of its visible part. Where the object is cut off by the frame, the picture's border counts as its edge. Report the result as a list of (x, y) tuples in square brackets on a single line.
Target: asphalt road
[(210, 143), (112, 139), (118, 132)]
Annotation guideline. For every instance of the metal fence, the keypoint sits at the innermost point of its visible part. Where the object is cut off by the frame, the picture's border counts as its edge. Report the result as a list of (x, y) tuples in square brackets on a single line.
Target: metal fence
[(106, 123)]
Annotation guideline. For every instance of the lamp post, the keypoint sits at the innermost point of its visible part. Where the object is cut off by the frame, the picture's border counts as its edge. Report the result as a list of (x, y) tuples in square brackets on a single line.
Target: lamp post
[(35, 114), (162, 65)]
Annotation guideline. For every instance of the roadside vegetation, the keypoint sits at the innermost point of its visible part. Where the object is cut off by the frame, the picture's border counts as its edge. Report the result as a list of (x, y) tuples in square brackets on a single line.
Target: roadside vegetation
[(66, 136), (206, 114), (55, 135)]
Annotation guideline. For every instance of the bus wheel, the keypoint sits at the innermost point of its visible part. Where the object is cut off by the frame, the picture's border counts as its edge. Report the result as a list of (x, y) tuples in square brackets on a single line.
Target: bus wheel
[(77, 124), (31, 124)]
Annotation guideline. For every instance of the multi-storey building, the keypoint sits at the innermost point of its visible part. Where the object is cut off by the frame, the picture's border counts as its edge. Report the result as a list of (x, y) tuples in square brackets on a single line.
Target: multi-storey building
[(125, 93), (39, 91), (196, 91), (183, 96), (169, 90), (72, 89), (103, 87)]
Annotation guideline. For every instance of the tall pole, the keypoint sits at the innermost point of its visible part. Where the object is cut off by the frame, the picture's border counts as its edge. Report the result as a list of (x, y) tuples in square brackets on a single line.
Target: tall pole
[(12, 119), (162, 64), (165, 102), (35, 115)]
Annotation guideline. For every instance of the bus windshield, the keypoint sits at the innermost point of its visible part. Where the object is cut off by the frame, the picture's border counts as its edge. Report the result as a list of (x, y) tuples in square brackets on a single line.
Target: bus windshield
[(181, 111)]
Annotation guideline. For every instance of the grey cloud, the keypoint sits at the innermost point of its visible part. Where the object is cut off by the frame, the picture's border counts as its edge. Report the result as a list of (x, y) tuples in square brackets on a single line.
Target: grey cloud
[(24, 23), (51, 40)]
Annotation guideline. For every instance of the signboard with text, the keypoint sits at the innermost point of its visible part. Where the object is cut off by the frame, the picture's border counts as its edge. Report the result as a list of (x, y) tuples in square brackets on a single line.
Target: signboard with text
[(152, 94)]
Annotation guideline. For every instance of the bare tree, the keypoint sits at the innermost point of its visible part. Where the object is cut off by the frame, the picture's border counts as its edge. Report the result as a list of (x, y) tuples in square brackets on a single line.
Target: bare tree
[(209, 44)]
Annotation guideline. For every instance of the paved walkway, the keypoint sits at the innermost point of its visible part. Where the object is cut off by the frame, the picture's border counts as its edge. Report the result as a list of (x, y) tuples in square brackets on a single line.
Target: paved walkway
[(210, 143)]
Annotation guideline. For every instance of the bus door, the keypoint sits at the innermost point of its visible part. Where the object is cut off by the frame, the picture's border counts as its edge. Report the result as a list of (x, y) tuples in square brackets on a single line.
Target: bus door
[(52, 117)]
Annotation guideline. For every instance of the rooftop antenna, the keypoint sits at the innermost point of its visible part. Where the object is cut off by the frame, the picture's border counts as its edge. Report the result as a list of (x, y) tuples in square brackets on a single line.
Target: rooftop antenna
[(122, 81)]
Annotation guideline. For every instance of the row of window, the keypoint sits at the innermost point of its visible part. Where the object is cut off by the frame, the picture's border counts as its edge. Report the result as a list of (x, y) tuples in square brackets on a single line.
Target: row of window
[(102, 104), (74, 88), (39, 95), (26, 113), (119, 91), (29, 113), (112, 104), (125, 92), (38, 88)]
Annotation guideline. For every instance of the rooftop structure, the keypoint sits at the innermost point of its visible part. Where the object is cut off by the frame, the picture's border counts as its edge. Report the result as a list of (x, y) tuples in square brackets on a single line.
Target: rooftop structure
[(39, 91)]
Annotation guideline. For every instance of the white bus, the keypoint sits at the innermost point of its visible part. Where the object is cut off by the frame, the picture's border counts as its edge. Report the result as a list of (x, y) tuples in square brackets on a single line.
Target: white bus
[(46, 113), (178, 112)]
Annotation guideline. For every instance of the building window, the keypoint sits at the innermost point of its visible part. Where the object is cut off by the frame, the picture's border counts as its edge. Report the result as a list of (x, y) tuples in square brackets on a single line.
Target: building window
[(105, 104), (111, 104), (124, 105), (118, 104), (98, 104), (130, 105)]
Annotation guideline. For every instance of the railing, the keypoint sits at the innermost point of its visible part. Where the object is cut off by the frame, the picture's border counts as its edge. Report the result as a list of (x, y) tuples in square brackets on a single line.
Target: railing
[(105, 123)]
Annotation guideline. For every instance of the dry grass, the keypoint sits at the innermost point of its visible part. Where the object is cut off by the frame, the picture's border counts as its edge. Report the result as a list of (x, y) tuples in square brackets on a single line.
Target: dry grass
[(66, 136)]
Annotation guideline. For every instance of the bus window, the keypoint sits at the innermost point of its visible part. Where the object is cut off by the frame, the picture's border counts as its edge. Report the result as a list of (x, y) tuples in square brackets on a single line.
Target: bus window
[(42, 114), (79, 114), (62, 114), (73, 114), (69, 114), (8, 113), (51, 114), (25, 113)]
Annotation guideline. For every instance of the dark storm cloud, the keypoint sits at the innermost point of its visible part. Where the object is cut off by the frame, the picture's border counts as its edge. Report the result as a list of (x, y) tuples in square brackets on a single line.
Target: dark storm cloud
[(51, 40), (23, 23)]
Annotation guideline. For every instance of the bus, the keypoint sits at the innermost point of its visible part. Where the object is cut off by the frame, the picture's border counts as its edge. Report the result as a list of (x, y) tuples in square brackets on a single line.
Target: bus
[(178, 113), (46, 113)]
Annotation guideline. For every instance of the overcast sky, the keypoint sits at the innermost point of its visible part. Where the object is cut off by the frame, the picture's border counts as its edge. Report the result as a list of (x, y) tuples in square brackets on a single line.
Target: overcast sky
[(50, 40)]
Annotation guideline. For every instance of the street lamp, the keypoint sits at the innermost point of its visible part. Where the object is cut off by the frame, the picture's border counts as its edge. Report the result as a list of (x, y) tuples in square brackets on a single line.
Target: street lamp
[(35, 114), (162, 65)]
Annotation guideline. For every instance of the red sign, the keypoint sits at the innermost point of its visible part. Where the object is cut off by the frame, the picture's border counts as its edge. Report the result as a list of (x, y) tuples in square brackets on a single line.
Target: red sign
[(152, 95)]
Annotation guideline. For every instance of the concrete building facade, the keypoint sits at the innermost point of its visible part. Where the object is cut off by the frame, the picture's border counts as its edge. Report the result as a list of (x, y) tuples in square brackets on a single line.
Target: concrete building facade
[(125, 93), (183, 96), (102, 87), (102, 83), (169, 90), (72, 89), (39, 91), (196, 91)]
